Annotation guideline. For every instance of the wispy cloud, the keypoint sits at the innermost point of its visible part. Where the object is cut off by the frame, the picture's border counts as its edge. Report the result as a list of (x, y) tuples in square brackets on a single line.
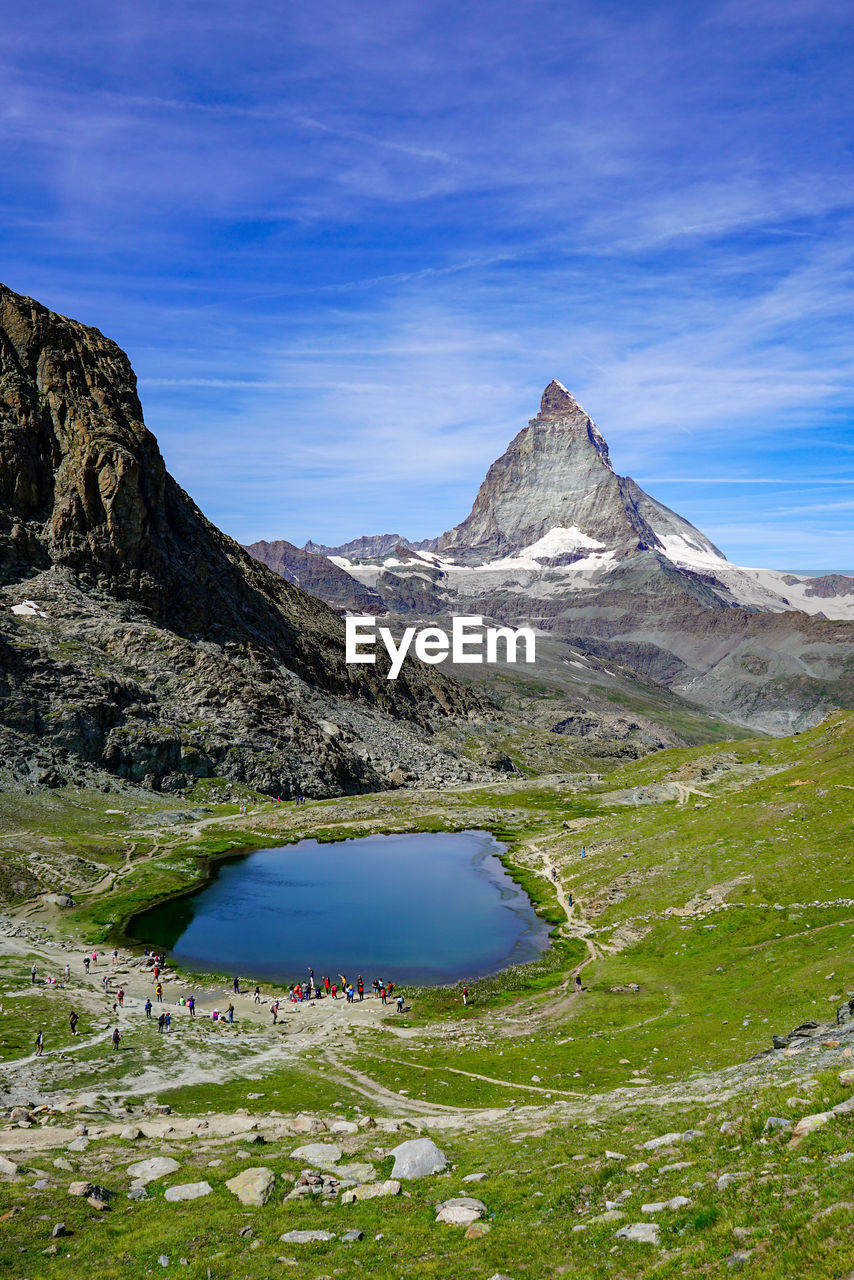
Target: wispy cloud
[(348, 245)]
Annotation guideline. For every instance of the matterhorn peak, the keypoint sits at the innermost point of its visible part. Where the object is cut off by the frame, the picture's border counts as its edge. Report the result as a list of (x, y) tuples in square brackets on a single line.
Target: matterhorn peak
[(556, 399)]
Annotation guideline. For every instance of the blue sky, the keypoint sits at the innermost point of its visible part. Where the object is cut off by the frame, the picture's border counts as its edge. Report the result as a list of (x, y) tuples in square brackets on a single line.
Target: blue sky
[(347, 244)]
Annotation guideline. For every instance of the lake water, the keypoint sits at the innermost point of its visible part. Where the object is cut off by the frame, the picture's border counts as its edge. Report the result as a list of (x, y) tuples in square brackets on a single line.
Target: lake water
[(418, 908)]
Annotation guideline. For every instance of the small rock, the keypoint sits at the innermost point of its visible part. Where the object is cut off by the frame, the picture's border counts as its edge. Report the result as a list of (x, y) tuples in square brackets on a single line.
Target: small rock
[(188, 1191), (666, 1140), (808, 1124), (253, 1187), (477, 1230), (59, 1229), (145, 1171), (137, 1193), (131, 1134), (846, 1077), (8, 1168), (97, 1203), (322, 1154), (163, 1260), (777, 1122), (614, 1155), (344, 1126), (475, 1177), (417, 1158), (78, 1144), (460, 1211), (306, 1124), (306, 1237), (61, 1163), (352, 1237), (727, 1179), (639, 1232), (739, 1259), (371, 1190), (80, 1189)]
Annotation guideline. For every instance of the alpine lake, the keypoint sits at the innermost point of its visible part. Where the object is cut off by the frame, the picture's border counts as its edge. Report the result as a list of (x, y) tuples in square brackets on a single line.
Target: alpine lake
[(423, 909)]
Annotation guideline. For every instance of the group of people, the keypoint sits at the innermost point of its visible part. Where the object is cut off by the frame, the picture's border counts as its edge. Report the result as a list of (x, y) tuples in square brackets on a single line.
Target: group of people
[(302, 992)]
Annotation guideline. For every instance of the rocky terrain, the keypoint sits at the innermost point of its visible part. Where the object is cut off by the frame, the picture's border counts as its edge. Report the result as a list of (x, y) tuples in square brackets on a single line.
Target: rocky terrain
[(137, 640), (556, 539)]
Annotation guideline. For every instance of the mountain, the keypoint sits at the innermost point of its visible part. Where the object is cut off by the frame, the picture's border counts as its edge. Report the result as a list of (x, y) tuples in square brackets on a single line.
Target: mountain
[(553, 496), (153, 647), (558, 540), (317, 575)]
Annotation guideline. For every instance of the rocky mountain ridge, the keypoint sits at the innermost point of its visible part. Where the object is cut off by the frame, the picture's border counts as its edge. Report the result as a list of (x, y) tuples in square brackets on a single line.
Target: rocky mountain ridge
[(158, 649)]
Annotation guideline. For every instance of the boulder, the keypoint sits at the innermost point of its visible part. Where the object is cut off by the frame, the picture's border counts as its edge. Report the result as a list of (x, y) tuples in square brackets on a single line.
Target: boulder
[(253, 1187), (78, 1144), (145, 1171), (461, 1211), (188, 1191), (131, 1133), (417, 1158), (8, 1168)]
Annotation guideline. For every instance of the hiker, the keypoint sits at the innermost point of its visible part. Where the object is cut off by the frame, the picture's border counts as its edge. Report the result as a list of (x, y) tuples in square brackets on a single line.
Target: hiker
[(115, 955), (72, 1022), (191, 1005), (86, 963), (39, 1044), (94, 957), (578, 984), (120, 996), (274, 1009), (383, 994), (33, 975), (235, 986), (168, 1020), (583, 852), (554, 874), (161, 1023), (360, 987), (400, 1003), (465, 995), (569, 899), (106, 981), (325, 982), (257, 996), (334, 991), (117, 1036), (156, 972), (67, 972), (158, 991), (230, 1012), (148, 1008)]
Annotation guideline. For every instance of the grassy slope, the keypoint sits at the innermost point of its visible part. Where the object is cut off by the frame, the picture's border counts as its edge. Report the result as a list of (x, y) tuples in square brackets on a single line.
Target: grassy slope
[(715, 981)]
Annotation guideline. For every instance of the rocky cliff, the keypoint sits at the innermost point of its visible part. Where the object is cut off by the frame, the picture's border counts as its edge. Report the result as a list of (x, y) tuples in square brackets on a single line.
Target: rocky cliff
[(155, 647)]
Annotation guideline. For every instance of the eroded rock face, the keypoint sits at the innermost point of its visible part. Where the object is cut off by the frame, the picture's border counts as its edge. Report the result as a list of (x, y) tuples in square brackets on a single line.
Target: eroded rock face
[(159, 650)]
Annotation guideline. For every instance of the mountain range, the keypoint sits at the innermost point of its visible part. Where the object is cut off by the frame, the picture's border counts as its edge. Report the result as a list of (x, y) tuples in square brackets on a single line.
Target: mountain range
[(556, 539)]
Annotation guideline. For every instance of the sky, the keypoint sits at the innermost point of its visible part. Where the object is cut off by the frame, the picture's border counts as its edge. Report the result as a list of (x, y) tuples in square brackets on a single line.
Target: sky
[(346, 245)]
